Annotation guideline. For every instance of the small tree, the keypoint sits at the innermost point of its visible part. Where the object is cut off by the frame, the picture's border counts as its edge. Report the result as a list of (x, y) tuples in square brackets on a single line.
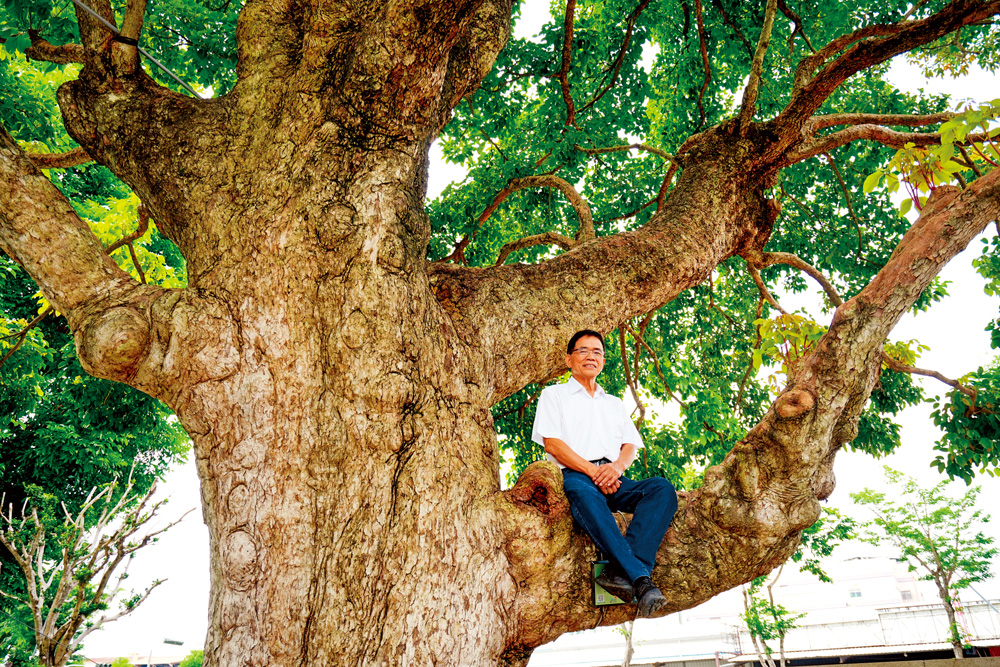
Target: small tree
[(67, 562), (936, 533), (193, 659), (768, 621)]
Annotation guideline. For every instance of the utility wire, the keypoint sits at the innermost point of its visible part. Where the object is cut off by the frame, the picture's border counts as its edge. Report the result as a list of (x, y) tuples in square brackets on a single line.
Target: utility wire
[(143, 51)]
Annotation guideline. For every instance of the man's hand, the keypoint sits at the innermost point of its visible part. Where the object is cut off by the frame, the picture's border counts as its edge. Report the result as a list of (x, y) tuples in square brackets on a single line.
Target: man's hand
[(607, 477)]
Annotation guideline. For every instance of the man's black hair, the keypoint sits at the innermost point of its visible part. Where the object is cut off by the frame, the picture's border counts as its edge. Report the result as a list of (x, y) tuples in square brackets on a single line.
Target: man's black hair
[(580, 334)]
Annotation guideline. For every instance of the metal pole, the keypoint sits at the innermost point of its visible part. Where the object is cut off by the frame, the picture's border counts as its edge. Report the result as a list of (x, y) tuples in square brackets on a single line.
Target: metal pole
[(143, 51)]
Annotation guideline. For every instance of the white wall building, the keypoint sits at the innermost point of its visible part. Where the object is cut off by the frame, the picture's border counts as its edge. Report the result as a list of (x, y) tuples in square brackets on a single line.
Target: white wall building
[(874, 607)]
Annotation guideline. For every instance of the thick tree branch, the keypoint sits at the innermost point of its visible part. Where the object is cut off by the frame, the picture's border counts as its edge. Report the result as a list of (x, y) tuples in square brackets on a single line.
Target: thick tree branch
[(877, 133), (41, 49), (71, 158), (768, 487), (749, 104), (640, 270), (817, 123), (38, 225), (869, 46), (122, 328)]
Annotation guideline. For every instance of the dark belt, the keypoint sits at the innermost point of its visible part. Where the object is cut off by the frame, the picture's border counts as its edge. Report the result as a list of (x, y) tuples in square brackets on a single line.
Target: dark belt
[(602, 461)]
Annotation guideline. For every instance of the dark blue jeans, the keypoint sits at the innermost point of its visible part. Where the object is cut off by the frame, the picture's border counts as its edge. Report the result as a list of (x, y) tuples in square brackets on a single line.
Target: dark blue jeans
[(652, 503)]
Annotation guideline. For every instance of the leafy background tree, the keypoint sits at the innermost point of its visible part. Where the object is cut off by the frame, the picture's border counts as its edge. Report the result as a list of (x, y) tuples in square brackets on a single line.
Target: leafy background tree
[(63, 431), (939, 535)]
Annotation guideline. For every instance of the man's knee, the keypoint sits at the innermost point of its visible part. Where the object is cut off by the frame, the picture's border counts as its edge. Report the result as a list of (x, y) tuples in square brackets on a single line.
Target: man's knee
[(664, 490)]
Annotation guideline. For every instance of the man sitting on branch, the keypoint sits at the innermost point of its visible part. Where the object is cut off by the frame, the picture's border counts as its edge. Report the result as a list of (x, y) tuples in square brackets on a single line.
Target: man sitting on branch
[(590, 435)]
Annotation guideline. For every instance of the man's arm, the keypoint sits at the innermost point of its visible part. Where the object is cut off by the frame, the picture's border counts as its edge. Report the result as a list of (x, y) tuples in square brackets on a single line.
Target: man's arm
[(604, 476)]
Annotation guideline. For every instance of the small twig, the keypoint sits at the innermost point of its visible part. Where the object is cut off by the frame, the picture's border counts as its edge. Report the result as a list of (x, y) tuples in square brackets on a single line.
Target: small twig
[(563, 74), (735, 28), (586, 231), (656, 362), (626, 216), (797, 20), (135, 263), (850, 204), (762, 288), (969, 161), (629, 380), (492, 143), (616, 149), (140, 230), (616, 67), (900, 367), (749, 105), (756, 344), (23, 334), (545, 238), (793, 260), (711, 301), (917, 5)]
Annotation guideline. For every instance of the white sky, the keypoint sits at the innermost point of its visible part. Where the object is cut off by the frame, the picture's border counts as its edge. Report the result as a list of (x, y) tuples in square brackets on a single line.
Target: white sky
[(953, 330)]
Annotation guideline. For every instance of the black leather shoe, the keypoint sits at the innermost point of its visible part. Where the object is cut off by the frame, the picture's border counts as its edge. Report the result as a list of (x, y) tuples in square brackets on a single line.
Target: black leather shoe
[(649, 597), (613, 581)]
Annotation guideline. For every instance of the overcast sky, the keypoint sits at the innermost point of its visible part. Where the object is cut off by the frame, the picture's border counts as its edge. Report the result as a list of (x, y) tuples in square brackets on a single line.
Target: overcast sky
[(953, 330)]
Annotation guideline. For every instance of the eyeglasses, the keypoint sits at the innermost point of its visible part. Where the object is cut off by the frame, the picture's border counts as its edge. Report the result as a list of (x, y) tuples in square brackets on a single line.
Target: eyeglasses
[(584, 352)]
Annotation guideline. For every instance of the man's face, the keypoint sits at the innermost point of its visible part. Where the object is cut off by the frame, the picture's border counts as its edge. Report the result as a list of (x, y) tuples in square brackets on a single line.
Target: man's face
[(586, 365)]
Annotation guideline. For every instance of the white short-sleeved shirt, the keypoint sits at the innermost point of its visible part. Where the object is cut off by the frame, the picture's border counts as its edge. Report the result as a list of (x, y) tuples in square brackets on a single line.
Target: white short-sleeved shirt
[(594, 427)]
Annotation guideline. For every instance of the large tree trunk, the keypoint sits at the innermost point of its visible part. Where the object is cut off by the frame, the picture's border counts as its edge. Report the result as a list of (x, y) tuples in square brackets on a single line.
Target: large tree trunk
[(337, 386)]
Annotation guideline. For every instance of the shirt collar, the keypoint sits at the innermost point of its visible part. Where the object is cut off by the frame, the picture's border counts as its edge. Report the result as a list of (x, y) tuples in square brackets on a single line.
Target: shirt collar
[(575, 386)]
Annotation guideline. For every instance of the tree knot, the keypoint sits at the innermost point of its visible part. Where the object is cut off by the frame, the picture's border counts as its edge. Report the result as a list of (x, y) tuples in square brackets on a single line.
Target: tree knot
[(540, 487), (794, 403)]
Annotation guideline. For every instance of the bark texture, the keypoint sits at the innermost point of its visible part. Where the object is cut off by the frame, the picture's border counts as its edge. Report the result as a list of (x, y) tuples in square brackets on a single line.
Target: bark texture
[(337, 386)]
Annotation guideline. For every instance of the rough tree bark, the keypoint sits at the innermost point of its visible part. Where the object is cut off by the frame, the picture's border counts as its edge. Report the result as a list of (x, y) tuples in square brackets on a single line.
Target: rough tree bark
[(337, 386)]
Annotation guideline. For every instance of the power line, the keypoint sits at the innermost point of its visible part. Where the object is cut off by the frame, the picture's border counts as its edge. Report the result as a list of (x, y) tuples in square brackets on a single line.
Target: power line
[(112, 28)]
